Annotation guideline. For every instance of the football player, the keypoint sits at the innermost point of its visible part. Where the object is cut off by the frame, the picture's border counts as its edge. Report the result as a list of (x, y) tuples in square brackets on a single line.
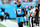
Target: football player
[(36, 15), (27, 18), (20, 13), (2, 14), (31, 16)]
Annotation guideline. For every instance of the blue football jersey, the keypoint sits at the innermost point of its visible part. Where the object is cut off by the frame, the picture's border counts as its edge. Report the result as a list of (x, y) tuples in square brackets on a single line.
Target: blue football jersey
[(20, 10), (27, 10)]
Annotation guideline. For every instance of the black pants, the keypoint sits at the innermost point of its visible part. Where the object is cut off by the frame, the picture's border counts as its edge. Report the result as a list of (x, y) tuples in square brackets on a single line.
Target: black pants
[(36, 20), (31, 21), (2, 17), (27, 23), (20, 24)]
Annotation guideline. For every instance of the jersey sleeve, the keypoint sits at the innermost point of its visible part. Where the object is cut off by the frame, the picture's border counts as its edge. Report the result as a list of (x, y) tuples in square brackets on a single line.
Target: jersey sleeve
[(23, 7)]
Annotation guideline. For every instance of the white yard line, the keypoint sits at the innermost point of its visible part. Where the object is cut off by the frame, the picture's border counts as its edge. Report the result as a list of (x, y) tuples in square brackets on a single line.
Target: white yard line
[(9, 23)]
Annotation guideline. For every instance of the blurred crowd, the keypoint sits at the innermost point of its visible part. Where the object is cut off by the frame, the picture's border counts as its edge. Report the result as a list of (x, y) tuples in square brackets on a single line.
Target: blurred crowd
[(13, 1)]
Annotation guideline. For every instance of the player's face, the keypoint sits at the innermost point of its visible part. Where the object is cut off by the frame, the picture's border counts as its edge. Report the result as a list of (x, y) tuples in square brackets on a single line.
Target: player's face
[(27, 7), (30, 8), (36, 7)]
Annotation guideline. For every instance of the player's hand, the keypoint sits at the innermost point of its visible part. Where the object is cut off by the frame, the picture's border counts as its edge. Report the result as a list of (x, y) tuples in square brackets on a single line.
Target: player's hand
[(24, 17)]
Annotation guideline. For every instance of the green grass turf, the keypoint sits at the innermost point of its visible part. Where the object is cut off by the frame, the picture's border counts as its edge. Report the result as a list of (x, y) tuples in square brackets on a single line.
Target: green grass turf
[(29, 24), (14, 20), (25, 23), (2, 25)]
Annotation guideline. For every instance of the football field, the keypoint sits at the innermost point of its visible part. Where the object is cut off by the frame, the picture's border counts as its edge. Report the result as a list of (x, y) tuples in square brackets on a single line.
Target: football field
[(10, 23), (1, 25)]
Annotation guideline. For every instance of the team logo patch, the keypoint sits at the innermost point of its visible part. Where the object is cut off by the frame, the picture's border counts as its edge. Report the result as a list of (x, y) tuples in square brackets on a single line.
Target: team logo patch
[(19, 11)]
